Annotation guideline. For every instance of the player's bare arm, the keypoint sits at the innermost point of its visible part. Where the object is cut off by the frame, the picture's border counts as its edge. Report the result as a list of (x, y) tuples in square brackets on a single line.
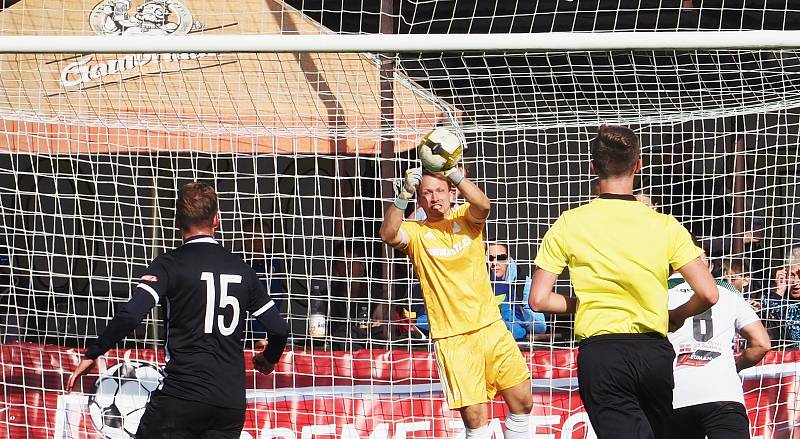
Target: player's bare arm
[(544, 299), (390, 232), (705, 293), (479, 204), (758, 344)]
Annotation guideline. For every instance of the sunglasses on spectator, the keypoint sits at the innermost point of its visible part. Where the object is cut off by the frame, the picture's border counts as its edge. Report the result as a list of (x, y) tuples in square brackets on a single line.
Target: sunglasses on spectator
[(500, 257)]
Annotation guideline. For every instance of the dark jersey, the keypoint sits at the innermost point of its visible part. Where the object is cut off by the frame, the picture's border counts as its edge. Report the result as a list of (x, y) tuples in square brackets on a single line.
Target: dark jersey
[(206, 293)]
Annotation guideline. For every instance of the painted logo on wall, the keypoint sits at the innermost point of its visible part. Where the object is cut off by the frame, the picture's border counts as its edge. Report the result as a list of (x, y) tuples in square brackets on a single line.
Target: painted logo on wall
[(156, 18), (153, 18)]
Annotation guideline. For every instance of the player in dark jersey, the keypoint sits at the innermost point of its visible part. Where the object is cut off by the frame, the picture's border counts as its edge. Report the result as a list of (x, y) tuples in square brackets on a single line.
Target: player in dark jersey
[(206, 292)]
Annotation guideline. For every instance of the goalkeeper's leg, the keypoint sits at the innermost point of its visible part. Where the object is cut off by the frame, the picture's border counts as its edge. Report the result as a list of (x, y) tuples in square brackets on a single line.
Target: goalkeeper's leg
[(508, 372), (520, 404), (476, 421)]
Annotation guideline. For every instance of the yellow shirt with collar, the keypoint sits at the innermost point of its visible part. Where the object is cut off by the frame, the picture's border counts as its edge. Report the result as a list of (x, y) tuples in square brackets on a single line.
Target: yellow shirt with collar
[(619, 253), (450, 260)]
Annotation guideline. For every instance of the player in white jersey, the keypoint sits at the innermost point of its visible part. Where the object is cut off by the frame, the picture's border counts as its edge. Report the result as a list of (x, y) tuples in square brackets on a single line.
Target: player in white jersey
[(708, 398)]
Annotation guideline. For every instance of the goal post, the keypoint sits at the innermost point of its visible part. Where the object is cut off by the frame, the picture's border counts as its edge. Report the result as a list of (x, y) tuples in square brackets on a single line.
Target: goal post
[(98, 132), (336, 43)]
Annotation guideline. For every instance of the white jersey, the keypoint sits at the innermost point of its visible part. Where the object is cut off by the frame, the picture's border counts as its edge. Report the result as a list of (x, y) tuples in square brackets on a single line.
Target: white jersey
[(705, 369)]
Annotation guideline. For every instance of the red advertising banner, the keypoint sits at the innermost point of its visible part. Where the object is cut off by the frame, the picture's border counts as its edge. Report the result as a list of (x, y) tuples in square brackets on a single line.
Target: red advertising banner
[(362, 394)]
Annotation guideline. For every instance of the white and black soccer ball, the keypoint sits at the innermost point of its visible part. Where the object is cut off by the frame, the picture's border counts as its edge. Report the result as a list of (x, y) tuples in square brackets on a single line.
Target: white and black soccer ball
[(440, 150), (121, 394)]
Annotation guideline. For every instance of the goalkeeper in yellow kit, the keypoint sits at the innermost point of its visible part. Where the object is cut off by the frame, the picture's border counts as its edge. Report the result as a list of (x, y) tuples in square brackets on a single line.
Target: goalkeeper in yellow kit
[(476, 354)]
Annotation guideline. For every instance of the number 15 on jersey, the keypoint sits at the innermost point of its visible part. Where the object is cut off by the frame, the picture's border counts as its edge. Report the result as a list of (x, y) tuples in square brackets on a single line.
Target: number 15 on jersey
[(224, 301)]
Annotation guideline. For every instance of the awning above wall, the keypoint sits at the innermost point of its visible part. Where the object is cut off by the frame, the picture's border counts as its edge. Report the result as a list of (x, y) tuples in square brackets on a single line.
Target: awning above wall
[(282, 103)]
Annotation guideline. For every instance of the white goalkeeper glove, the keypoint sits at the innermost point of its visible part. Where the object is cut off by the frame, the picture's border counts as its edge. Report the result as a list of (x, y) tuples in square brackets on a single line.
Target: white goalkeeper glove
[(408, 187), (454, 175)]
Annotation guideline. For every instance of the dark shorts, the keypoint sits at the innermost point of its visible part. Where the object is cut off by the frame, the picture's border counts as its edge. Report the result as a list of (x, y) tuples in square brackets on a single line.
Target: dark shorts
[(715, 420), (625, 382), (167, 417)]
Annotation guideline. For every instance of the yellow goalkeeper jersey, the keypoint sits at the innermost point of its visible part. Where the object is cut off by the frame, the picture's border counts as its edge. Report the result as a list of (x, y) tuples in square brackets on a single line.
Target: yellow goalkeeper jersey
[(619, 253), (450, 261)]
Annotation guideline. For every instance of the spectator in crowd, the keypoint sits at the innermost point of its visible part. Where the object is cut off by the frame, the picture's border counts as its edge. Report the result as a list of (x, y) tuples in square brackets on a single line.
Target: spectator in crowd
[(737, 273), (358, 311), (257, 253), (782, 305), (517, 315)]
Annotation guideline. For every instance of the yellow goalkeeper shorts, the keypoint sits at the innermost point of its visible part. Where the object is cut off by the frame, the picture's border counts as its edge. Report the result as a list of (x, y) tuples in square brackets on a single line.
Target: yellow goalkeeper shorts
[(474, 366)]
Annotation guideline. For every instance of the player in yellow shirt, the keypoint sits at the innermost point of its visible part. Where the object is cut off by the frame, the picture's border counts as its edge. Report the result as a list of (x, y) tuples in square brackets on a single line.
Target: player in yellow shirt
[(619, 253), (475, 352)]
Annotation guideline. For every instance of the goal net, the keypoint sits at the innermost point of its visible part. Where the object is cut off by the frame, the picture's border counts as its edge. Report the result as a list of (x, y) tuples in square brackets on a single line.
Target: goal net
[(303, 149)]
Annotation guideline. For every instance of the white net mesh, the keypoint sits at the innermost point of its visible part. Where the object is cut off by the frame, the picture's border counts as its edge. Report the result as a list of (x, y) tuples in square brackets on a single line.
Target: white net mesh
[(95, 146)]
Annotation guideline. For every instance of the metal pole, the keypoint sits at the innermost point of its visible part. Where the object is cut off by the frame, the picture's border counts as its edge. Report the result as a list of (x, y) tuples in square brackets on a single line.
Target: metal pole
[(154, 252), (189, 46), (739, 185), (387, 168)]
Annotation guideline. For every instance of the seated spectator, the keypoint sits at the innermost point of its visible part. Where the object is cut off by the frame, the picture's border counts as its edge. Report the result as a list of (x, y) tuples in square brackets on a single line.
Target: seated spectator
[(737, 273), (257, 253), (782, 305), (520, 321), (358, 310)]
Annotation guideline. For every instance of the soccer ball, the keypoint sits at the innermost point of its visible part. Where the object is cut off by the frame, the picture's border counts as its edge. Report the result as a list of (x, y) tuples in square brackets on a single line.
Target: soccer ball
[(122, 392), (440, 150)]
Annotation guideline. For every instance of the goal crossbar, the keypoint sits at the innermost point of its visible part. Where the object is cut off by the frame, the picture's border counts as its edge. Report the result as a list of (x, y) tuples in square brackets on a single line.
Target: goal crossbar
[(532, 42)]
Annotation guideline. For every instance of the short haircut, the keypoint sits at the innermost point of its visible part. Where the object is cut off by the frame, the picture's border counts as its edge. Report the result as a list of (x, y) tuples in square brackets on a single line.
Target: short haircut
[(615, 151), (437, 175), (196, 206), (793, 255), (736, 266)]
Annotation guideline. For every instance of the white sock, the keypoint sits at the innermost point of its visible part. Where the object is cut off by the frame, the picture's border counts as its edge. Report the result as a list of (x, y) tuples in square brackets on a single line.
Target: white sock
[(517, 426), (479, 433)]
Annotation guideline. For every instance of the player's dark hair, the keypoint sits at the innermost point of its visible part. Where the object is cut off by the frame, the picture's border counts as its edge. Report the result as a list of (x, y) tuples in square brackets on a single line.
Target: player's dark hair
[(196, 206), (737, 266), (499, 243), (615, 151)]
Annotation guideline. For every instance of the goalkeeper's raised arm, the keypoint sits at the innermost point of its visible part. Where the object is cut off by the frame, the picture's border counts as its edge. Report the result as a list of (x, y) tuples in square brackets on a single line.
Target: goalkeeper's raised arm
[(439, 152)]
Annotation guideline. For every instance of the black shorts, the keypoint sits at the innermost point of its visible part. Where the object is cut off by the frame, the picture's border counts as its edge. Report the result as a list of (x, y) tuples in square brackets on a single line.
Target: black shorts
[(167, 417), (625, 382), (715, 420)]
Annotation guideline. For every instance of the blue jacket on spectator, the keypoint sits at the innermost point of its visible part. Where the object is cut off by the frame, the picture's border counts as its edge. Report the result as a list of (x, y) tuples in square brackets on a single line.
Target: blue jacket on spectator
[(519, 318), (787, 313)]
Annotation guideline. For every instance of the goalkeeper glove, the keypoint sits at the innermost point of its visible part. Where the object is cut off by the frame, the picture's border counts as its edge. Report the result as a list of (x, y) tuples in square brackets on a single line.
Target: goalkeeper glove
[(454, 175), (408, 187)]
